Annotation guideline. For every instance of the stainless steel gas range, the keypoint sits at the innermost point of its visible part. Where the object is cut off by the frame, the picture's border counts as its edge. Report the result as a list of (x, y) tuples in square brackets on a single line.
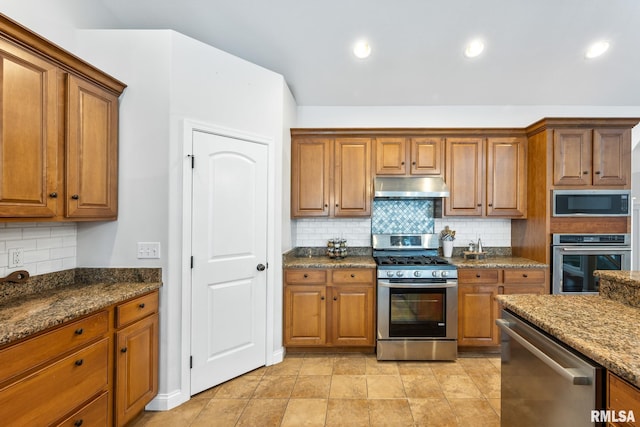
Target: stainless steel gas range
[(417, 299)]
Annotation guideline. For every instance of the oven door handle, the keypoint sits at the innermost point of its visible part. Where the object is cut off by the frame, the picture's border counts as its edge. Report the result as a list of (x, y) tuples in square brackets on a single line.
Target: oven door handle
[(608, 249), (447, 284)]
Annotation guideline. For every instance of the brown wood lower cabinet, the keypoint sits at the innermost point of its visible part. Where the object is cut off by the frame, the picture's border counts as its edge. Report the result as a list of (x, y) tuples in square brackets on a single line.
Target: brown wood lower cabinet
[(622, 396), (73, 374), (329, 308), (477, 305)]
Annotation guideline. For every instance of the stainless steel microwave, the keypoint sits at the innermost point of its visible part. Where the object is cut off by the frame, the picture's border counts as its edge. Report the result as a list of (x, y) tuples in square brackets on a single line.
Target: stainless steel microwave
[(591, 202)]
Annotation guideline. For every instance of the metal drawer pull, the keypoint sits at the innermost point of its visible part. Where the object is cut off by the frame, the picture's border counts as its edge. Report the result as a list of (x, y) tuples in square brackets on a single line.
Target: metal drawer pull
[(79, 362), (78, 423), (525, 275), (79, 331), (305, 276), (353, 275), (123, 350), (141, 305)]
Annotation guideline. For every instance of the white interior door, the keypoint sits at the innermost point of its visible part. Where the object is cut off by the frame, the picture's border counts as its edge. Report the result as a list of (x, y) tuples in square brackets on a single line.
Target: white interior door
[(229, 248)]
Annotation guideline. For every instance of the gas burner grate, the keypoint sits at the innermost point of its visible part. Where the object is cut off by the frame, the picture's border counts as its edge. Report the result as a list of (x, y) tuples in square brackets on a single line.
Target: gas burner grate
[(411, 260)]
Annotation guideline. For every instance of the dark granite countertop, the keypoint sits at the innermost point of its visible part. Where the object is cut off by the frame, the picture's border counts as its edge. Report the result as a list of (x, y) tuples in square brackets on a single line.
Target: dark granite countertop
[(362, 258), (497, 262), (52, 299), (602, 329)]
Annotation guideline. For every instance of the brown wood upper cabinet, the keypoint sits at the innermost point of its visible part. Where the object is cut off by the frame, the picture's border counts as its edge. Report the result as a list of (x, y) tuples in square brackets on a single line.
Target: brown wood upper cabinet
[(58, 143), (330, 177), (409, 156), (486, 176), (591, 157)]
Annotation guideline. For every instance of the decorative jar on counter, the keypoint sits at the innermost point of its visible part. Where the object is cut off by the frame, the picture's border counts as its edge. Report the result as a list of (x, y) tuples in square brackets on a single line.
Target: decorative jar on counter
[(337, 248)]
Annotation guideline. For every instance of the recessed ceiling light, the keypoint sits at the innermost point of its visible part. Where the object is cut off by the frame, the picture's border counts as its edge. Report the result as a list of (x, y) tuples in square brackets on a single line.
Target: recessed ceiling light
[(362, 49), (597, 49), (474, 48)]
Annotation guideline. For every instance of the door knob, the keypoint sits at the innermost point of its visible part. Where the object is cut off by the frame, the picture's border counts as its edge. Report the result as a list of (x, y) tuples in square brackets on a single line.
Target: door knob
[(261, 267)]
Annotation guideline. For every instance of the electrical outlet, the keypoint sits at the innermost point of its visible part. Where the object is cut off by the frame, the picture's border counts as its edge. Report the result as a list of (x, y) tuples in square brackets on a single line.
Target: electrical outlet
[(16, 257), (148, 250)]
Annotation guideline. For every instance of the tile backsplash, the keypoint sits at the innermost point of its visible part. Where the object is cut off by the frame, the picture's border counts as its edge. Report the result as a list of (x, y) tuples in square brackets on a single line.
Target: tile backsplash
[(402, 216), (316, 231), (47, 246)]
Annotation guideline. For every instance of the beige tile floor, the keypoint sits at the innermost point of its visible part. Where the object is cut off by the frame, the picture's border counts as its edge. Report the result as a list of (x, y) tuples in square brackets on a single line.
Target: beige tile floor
[(347, 390)]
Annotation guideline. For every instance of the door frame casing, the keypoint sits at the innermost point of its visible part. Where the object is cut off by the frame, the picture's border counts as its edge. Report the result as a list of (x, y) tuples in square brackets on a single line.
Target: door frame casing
[(190, 126)]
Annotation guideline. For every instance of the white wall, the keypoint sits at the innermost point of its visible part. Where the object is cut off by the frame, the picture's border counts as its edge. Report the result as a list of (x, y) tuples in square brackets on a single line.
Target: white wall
[(171, 78)]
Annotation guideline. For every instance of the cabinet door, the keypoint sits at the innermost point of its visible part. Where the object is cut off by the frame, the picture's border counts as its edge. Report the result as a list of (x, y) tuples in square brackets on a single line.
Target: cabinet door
[(28, 135), (92, 151), (506, 177), (572, 157), (310, 176), (305, 319), (391, 156), (477, 314), (352, 193), (427, 156), (352, 309), (464, 174), (136, 367), (611, 156)]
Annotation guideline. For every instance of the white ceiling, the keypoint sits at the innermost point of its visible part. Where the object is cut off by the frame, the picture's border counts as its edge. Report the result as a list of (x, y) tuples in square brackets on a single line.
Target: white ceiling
[(534, 52)]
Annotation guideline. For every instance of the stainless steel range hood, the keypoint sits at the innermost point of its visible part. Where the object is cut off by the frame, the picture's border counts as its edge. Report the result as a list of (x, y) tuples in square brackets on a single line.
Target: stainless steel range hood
[(410, 188)]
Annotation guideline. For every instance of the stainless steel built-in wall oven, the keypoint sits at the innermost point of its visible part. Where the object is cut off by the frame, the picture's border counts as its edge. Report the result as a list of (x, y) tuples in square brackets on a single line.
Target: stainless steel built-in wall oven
[(577, 256), (417, 299)]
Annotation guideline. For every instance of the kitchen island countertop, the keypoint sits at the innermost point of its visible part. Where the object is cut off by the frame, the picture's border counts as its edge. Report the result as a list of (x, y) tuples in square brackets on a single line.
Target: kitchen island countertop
[(29, 308), (606, 331)]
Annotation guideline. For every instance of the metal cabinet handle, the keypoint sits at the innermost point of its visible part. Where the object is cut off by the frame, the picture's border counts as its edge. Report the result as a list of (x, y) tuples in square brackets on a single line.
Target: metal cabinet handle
[(597, 172), (337, 205), (479, 204), (413, 163), (141, 305), (78, 423), (123, 350), (585, 172), (322, 298), (79, 331), (490, 204), (305, 275), (53, 195), (402, 163), (353, 275), (335, 298), (79, 362), (525, 275), (478, 275), (568, 373), (75, 197)]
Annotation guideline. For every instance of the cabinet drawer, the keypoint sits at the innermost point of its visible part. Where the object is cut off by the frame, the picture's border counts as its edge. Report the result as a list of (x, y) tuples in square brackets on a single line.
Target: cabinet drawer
[(136, 309), (479, 275), (46, 395), (352, 276), (18, 358), (94, 413), (518, 275), (622, 396), (305, 276)]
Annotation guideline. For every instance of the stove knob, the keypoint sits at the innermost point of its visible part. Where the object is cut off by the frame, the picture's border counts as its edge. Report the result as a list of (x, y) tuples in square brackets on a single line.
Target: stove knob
[(417, 273), (389, 273), (400, 273), (444, 273), (434, 273)]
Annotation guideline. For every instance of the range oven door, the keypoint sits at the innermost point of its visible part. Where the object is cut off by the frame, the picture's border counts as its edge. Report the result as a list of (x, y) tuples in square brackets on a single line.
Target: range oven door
[(573, 267), (417, 310)]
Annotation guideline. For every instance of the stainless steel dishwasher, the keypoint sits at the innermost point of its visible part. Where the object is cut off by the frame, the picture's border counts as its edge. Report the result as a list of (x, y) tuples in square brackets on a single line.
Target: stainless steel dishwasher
[(543, 383)]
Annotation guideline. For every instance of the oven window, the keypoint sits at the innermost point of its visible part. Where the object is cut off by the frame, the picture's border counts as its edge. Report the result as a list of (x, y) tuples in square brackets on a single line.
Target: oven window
[(417, 313), (577, 271)]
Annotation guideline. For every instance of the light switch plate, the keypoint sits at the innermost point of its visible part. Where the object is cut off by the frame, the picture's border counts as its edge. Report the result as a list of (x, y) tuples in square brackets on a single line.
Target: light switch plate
[(149, 250)]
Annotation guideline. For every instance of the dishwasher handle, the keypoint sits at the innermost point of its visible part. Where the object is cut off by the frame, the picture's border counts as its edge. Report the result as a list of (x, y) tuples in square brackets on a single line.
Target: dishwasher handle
[(571, 374)]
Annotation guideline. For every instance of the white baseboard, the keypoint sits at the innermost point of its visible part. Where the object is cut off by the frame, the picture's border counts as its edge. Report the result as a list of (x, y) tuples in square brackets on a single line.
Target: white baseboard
[(167, 401), (277, 356)]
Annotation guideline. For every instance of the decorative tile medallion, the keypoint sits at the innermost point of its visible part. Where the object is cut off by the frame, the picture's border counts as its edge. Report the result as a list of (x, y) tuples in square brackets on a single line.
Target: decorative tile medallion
[(402, 216)]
